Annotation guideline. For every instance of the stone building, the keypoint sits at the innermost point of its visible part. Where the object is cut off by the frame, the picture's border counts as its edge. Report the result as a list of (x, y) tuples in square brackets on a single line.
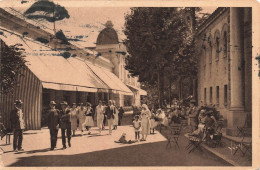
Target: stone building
[(225, 64)]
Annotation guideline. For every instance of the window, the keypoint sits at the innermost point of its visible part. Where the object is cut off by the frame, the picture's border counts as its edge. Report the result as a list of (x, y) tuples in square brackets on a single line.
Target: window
[(225, 94), (205, 54), (217, 49), (210, 54), (210, 93), (225, 44), (205, 96), (217, 95)]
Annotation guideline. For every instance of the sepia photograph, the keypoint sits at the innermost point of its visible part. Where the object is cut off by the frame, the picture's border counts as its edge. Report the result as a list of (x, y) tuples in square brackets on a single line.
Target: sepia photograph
[(127, 86)]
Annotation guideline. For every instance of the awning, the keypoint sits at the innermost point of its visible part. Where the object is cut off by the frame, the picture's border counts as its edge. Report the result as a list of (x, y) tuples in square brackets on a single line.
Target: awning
[(54, 71), (141, 91), (111, 80)]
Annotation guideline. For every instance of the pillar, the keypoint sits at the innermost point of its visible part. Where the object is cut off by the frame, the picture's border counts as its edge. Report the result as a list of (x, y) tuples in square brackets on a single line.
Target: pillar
[(236, 115)]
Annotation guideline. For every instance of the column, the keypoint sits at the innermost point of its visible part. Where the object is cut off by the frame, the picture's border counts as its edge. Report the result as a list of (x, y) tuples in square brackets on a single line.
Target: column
[(236, 55), (236, 116)]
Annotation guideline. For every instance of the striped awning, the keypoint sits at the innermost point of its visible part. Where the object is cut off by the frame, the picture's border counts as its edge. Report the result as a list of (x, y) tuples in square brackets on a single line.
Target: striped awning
[(109, 78)]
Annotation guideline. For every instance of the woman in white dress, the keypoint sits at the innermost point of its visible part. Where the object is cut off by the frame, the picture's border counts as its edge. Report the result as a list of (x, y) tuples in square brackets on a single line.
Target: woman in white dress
[(115, 123), (73, 118), (145, 121), (81, 116), (89, 119)]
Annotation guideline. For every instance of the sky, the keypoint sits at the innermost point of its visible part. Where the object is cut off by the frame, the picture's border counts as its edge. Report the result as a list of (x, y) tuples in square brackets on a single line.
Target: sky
[(89, 21)]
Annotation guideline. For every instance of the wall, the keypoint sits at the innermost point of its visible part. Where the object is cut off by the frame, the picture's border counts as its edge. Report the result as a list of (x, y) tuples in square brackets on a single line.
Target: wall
[(215, 71)]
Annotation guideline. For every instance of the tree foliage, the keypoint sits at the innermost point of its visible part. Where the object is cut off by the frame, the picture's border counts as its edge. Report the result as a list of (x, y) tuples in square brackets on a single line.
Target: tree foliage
[(47, 10), (12, 64), (160, 43), (154, 38)]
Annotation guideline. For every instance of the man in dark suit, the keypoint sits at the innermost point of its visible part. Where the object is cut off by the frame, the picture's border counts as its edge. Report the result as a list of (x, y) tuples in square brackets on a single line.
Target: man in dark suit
[(65, 123), (18, 126), (109, 114), (53, 123)]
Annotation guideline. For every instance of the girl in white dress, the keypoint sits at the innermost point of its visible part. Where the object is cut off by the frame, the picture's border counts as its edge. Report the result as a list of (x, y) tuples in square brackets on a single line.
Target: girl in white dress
[(137, 127), (81, 116), (73, 118), (89, 119)]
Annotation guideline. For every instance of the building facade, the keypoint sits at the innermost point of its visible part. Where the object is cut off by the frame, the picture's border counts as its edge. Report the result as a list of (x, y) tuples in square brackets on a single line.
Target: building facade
[(83, 76), (225, 64)]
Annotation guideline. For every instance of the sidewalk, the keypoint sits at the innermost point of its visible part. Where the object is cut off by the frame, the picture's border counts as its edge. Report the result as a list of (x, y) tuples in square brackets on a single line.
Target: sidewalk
[(37, 143)]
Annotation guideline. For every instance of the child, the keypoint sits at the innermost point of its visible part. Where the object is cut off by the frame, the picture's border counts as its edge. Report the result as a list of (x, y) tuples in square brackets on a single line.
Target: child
[(137, 127)]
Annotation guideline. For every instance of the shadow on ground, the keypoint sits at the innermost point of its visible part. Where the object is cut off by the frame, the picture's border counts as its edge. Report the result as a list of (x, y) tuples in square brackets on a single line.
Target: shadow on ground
[(151, 154)]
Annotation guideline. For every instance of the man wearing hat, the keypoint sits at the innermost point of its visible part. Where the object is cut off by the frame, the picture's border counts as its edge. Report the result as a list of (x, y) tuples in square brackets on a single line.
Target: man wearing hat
[(53, 123), (17, 122), (193, 113), (65, 123)]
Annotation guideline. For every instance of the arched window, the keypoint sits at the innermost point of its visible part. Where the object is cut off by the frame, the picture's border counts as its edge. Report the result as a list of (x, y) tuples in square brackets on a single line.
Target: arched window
[(217, 48), (217, 45), (225, 44)]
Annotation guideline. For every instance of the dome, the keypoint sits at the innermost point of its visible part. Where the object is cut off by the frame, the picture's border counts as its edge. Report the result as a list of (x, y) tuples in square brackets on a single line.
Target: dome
[(108, 35)]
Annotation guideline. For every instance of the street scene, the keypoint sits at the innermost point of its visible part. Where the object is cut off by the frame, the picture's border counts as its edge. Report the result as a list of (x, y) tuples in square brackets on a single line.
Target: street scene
[(125, 86)]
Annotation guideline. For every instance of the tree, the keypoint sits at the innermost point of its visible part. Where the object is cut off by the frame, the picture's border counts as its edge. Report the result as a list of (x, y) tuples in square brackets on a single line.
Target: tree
[(12, 64), (47, 10), (155, 38)]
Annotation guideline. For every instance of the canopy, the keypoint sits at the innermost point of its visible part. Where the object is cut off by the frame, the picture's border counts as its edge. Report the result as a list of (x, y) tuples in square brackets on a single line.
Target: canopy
[(111, 80), (53, 70), (141, 91)]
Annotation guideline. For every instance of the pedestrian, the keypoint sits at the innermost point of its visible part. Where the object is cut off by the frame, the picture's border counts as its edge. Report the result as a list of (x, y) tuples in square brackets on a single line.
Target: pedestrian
[(65, 124), (105, 119), (137, 127), (153, 122), (193, 113), (81, 116), (73, 118), (120, 115), (145, 124), (18, 126), (89, 119), (53, 123), (109, 112), (115, 123), (100, 115)]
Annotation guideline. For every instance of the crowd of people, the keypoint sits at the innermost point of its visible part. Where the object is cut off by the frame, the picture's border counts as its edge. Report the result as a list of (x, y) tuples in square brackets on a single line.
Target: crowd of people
[(145, 120), (69, 120)]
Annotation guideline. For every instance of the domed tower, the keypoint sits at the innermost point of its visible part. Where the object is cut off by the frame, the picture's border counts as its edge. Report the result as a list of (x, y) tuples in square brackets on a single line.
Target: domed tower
[(108, 35), (108, 46)]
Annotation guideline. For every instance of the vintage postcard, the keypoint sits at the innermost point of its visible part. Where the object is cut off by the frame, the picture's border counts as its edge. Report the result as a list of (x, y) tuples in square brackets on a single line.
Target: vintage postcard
[(129, 84)]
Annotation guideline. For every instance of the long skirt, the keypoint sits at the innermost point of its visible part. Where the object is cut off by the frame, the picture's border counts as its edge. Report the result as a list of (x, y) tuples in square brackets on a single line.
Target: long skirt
[(88, 121), (145, 125), (153, 123), (115, 122), (73, 123), (81, 121)]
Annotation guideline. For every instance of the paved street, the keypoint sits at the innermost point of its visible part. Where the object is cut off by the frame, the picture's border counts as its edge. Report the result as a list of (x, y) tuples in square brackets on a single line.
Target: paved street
[(93, 150)]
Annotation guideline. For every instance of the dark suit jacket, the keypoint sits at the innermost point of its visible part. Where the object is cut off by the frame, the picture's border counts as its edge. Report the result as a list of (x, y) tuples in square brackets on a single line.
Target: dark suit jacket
[(14, 119), (53, 119), (109, 112), (65, 119)]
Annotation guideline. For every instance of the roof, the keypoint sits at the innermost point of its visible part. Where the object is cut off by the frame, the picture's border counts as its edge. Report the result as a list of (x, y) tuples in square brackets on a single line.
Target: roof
[(56, 72)]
